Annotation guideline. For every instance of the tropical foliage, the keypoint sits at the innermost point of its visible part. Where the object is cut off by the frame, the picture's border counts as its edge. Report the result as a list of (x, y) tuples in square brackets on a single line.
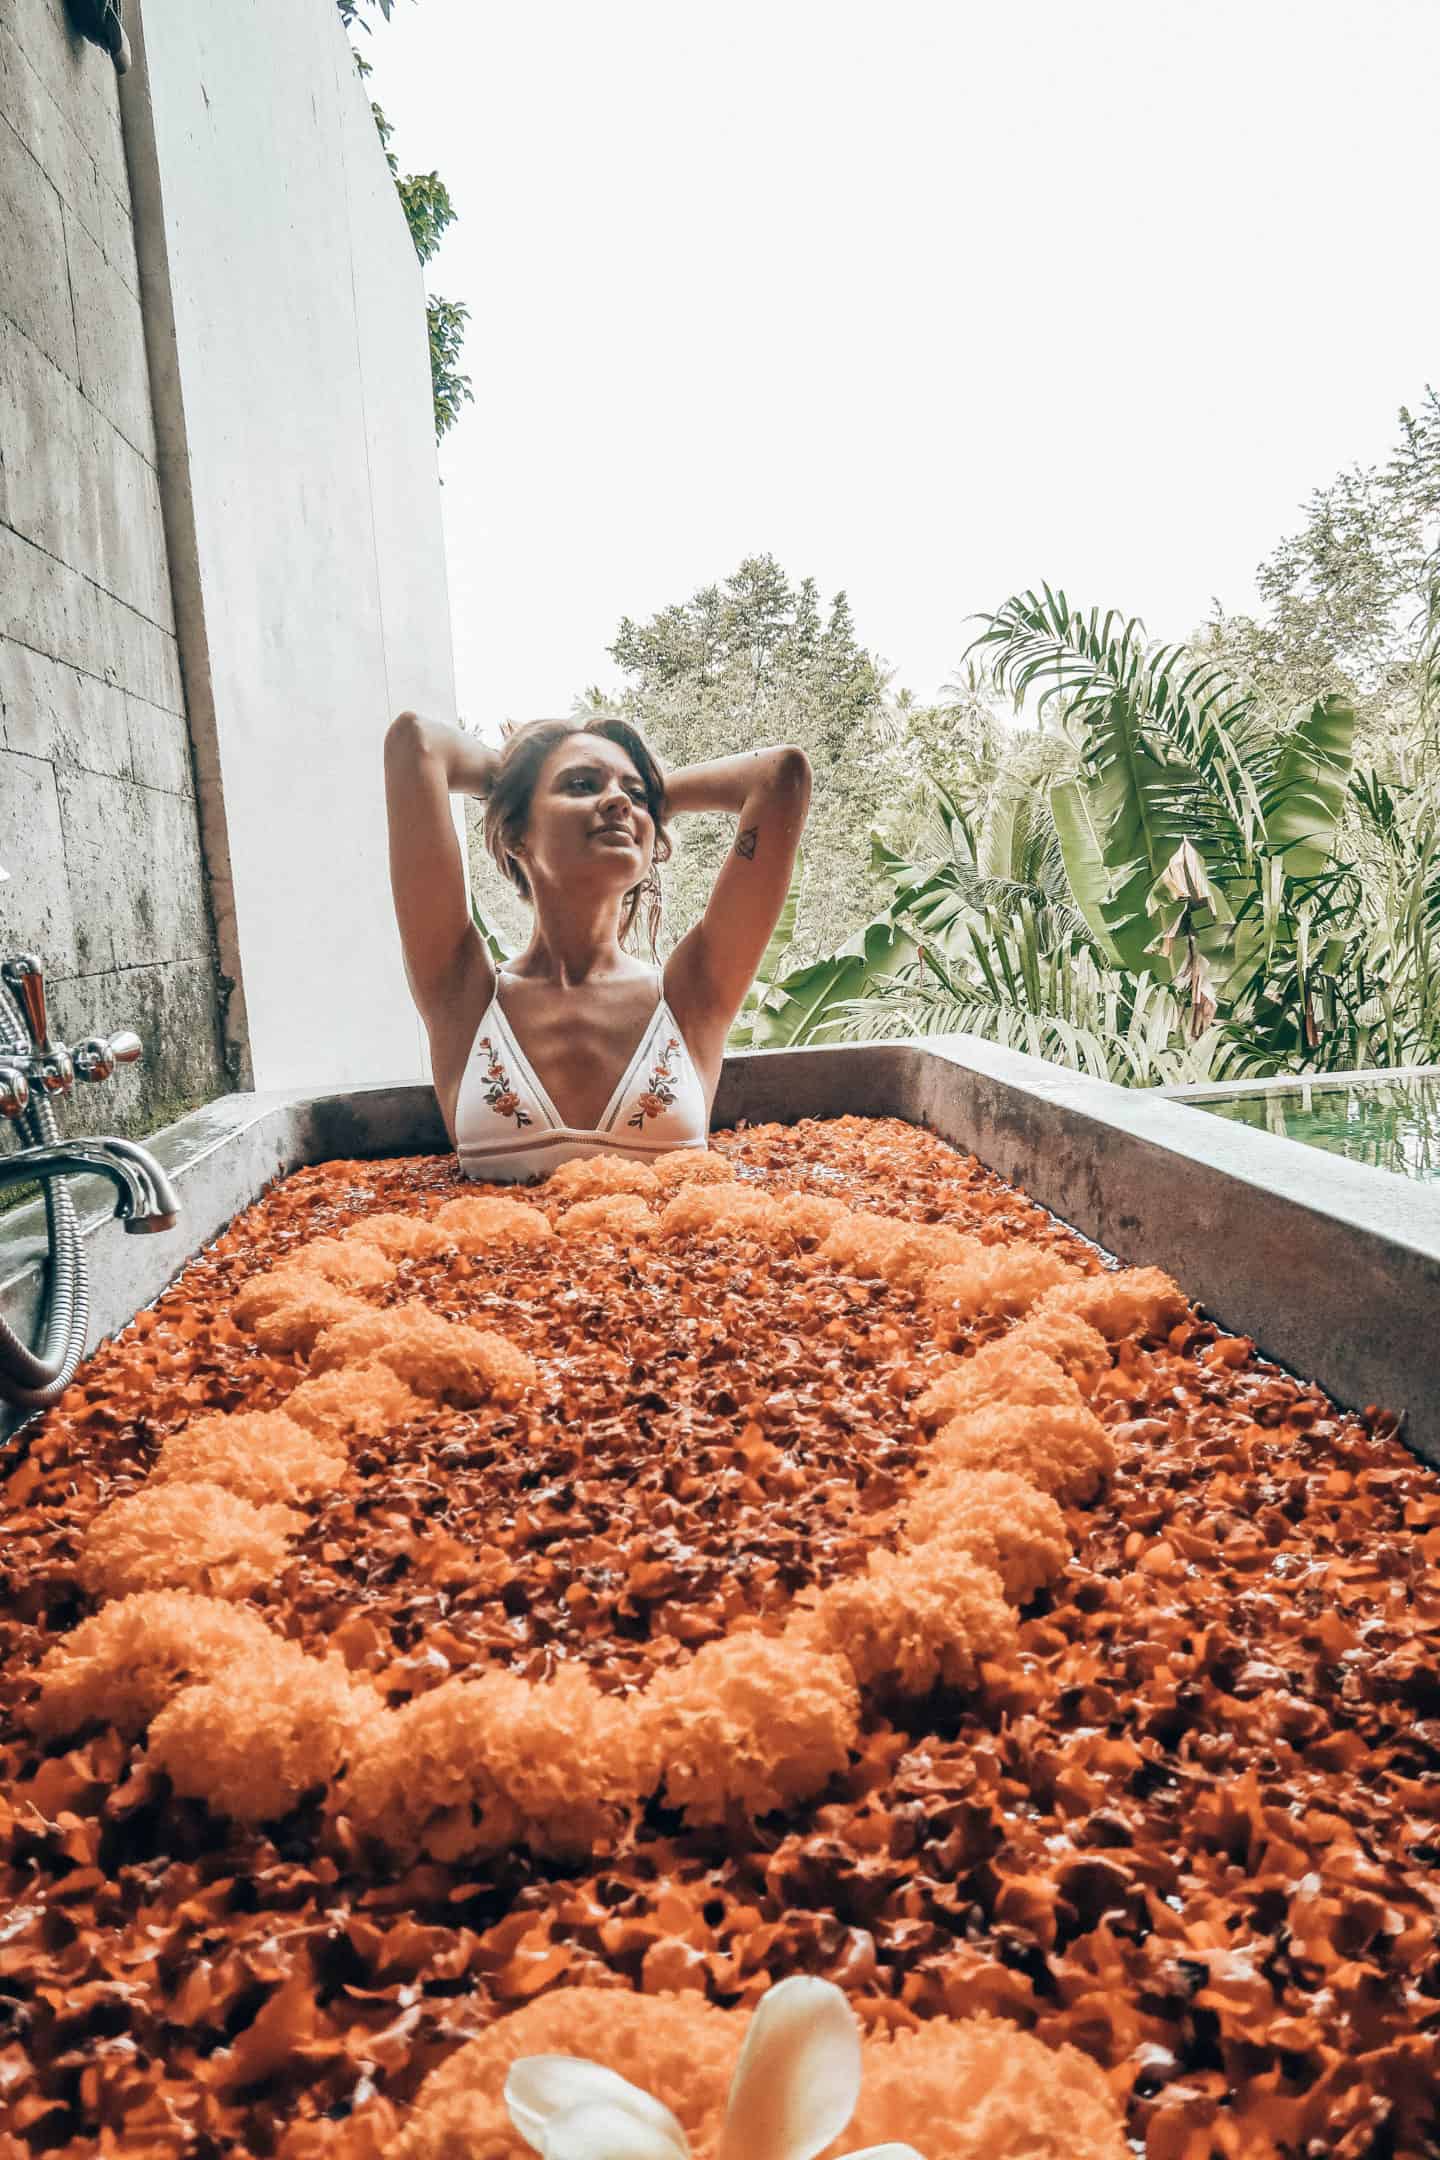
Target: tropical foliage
[(1152, 862), (1206, 859), (429, 213), (757, 659)]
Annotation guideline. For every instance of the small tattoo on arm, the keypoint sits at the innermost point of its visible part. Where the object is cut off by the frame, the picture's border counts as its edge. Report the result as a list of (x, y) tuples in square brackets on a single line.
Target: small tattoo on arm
[(745, 845)]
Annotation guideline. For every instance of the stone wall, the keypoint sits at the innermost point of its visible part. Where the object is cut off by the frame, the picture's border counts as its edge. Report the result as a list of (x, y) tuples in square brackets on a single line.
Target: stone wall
[(97, 804)]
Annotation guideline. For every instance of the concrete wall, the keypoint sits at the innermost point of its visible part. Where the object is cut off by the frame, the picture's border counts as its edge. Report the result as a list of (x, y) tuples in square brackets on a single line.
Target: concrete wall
[(291, 374), (98, 825)]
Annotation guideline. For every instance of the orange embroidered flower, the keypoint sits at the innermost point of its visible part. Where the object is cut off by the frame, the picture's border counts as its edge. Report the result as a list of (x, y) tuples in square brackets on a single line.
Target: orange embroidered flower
[(499, 1093), (659, 1093)]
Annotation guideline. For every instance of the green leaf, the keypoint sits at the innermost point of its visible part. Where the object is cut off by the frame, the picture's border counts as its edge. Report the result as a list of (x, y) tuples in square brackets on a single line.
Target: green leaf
[(1304, 803), (498, 952), (1083, 852), (794, 1008)]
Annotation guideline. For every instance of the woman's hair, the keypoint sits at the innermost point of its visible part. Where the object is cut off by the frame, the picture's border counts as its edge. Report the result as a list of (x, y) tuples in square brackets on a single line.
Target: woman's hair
[(507, 806)]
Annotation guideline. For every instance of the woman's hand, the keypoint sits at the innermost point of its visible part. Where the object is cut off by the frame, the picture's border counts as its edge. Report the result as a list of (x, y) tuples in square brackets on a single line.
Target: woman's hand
[(468, 763)]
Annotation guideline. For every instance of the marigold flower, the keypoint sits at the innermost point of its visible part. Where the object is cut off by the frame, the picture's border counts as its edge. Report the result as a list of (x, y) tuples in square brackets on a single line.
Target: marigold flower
[(753, 1722), (913, 1620), (477, 1221), (896, 1250), (487, 1761), (360, 1402), (721, 1211), (123, 1664), (914, 1259), (998, 1372), (1000, 1519), (860, 1243), (1066, 1452), (570, 1758), (680, 2045), (260, 1454), (793, 2091), (981, 2089), (617, 1215), (996, 1280), (1077, 1347), (286, 1309), (349, 1265), (978, 2089), (399, 1237), (805, 1215), (692, 1166), (589, 1177), (1127, 1301), (266, 1730), (440, 1358), (185, 1536), (419, 1781)]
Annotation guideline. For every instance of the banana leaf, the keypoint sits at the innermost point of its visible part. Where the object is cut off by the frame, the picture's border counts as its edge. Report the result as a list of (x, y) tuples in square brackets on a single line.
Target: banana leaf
[(800, 1003), (1305, 801), (1120, 822)]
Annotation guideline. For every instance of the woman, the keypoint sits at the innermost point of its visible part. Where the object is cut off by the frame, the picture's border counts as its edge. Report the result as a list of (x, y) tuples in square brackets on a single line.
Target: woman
[(576, 1047)]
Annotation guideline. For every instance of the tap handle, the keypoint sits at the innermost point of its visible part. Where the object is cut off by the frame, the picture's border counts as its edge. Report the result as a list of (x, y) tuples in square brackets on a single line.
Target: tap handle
[(14, 1090), (26, 978), (97, 1057)]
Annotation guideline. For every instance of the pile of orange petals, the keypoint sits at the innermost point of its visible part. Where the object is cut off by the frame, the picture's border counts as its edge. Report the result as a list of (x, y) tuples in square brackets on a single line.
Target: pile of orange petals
[(1186, 1823)]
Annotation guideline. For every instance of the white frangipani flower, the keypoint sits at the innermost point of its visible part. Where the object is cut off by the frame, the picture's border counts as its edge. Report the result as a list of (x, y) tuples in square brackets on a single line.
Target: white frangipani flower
[(794, 2089)]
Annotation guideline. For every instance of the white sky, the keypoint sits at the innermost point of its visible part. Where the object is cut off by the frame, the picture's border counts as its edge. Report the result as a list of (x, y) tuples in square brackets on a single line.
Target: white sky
[(930, 299)]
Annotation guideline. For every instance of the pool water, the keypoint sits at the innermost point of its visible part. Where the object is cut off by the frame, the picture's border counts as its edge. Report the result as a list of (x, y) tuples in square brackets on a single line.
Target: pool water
[(1390, 1124)]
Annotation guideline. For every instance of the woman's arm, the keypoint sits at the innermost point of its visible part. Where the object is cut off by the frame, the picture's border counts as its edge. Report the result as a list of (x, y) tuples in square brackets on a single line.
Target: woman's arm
[(768, 793), (727, 783), (425, 762), (469, 764)]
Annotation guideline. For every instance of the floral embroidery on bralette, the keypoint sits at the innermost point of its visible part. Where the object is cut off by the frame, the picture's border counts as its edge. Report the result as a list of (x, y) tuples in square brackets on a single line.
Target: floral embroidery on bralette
[(499, 1093), (659, 1088)]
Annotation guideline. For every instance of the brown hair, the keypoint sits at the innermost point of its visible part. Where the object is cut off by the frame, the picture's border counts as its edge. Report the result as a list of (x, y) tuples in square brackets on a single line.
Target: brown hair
[(507, 806)]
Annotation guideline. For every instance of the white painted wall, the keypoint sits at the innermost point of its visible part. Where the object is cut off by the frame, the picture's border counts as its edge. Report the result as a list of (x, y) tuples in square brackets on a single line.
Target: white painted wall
[(286, 318)]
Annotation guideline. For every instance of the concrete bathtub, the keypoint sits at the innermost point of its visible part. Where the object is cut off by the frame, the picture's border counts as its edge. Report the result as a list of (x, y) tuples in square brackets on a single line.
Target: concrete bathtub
[(1333, 1267)]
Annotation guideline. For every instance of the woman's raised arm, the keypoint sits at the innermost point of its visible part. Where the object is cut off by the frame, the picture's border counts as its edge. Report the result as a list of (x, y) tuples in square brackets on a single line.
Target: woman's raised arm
[(768, 793), (425, 762)]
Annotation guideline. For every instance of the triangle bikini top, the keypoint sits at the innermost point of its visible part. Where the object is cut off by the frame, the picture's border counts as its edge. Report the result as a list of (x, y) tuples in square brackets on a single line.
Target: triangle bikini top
[(507, 1129)]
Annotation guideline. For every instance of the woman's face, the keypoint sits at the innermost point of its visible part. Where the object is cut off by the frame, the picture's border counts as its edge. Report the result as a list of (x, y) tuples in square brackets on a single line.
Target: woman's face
[(589, 819)]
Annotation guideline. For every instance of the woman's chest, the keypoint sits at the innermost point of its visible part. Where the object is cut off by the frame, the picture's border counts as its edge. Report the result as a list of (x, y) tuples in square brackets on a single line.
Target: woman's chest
[(579, 1049), (571, 1057)]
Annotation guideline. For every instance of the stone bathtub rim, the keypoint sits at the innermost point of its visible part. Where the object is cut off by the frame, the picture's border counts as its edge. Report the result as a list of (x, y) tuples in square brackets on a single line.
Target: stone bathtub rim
[(1331, 1266)]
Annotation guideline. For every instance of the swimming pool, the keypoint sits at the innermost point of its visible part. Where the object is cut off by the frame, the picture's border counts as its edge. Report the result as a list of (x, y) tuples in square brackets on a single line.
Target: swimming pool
[(1389, 1120)]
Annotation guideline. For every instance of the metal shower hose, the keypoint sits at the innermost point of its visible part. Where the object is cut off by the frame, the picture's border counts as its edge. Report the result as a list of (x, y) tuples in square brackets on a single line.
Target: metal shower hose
[(33, 1380)]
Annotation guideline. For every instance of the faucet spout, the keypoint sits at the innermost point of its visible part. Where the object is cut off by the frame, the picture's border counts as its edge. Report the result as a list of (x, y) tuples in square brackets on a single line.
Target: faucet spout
[(142, 1205), (165, 1210)]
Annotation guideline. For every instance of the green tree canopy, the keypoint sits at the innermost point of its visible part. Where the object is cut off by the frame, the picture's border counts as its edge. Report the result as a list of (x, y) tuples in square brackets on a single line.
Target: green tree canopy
[(756, 659), (1346, 596)]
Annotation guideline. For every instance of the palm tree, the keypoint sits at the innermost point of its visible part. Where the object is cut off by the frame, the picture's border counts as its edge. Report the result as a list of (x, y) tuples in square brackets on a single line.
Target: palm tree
[(1154, 892)]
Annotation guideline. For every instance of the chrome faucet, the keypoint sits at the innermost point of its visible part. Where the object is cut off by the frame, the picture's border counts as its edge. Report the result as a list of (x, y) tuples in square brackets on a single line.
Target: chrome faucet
[(147, 1200), (34, 1069)]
